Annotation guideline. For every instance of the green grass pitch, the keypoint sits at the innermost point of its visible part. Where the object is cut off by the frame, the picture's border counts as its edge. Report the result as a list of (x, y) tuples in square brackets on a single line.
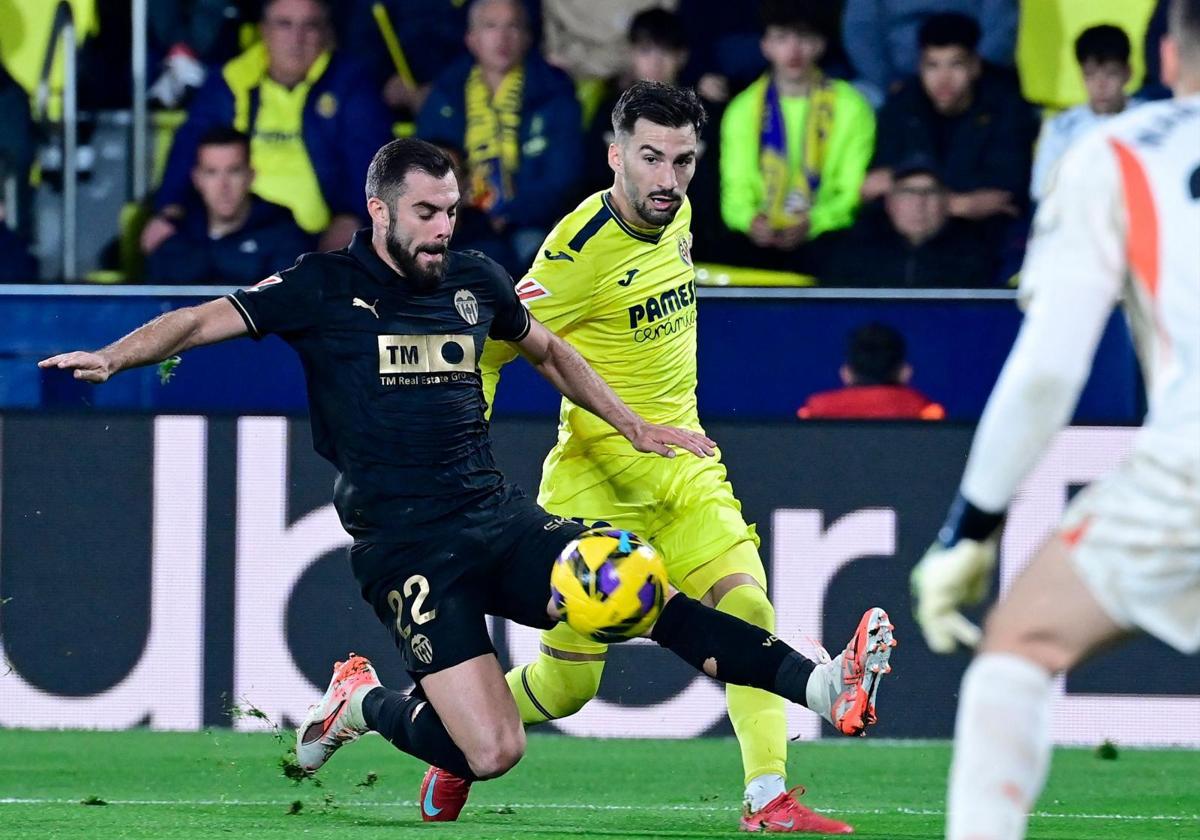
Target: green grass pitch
[(221, 784)]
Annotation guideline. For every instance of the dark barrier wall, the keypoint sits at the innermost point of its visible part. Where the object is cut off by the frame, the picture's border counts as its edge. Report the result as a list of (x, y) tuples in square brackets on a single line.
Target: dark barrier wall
[(156, 570), (759, 356)]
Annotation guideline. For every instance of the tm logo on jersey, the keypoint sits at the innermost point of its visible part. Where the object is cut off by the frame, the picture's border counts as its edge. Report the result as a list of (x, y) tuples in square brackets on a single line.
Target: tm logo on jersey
[(425, 359)]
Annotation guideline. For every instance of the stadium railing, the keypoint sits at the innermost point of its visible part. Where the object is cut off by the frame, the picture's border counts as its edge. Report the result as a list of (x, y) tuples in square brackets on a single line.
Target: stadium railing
[(762, 351)]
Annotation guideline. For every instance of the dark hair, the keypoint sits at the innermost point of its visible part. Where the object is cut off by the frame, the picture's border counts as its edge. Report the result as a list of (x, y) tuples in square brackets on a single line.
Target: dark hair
[(1184, 26), (224, 135), (661, 104), (949, 29), (808, 16), (658, 28), (393, 162), (326, 6), (875, 354), (1102, 43)]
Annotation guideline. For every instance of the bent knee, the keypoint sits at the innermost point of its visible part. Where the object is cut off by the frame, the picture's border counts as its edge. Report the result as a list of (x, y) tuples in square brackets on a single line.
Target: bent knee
[(499, 755), (750, 603), (562, 686), (1008, 632)]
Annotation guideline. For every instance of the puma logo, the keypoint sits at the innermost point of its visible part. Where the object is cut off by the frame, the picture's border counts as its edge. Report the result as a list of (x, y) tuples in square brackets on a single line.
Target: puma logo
[(362, 304), (561, 255)]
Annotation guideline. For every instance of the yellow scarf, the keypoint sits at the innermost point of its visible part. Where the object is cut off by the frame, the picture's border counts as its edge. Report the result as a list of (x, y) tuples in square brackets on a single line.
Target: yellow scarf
[(493, 143), (786, 192)]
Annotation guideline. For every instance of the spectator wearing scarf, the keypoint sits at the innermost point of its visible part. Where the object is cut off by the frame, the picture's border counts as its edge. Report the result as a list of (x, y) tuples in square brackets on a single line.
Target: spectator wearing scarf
[(519, 122), (795, 144)]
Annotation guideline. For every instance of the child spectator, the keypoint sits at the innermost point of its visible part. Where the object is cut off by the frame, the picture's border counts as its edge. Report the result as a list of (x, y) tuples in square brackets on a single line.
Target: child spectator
[(795, 144), (876, 378), (1103, 56)]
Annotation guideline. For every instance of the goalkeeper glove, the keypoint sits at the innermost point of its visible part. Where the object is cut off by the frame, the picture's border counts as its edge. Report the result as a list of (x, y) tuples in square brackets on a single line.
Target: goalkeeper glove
[(956, 570)]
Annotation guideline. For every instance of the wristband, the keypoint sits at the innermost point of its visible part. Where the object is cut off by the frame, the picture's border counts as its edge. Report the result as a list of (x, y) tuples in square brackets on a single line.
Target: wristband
[(967, 522)]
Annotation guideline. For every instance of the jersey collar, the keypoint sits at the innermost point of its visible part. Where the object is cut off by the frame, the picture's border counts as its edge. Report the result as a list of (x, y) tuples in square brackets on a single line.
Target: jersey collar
[(362, 250), (651, 236)]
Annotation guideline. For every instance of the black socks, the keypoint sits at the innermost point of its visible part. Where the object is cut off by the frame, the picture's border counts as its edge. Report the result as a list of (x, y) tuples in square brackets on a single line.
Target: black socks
[(743, 654), (411, 724)]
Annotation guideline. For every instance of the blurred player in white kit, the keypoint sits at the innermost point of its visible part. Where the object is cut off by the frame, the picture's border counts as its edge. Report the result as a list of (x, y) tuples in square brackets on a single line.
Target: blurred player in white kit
[(1121, 224)]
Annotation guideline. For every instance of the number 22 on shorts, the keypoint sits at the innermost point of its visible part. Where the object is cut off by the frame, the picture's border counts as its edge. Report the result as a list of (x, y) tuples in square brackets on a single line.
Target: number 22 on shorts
[(416, 588)]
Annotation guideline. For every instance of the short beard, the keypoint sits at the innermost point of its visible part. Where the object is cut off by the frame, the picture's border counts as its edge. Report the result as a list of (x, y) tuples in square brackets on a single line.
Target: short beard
[(422, 279), (649, 215)]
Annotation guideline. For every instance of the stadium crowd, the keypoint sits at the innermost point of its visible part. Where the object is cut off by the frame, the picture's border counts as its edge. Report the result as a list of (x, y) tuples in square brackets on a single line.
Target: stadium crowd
[(864, 144)]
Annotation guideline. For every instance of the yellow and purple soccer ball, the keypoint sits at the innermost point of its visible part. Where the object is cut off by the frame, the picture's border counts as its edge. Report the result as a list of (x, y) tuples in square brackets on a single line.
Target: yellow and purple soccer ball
[(609, 585)]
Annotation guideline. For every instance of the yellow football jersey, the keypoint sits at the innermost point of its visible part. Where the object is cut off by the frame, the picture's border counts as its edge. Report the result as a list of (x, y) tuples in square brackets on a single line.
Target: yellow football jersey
[(625, 298)]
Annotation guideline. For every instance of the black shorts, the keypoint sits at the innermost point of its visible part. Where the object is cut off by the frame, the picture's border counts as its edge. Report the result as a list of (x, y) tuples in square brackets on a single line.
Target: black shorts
[(434, 595)]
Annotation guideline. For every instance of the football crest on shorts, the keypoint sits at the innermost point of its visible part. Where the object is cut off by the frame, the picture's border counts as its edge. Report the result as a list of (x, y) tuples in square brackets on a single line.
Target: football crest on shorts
[(467, 307), (422, 648)]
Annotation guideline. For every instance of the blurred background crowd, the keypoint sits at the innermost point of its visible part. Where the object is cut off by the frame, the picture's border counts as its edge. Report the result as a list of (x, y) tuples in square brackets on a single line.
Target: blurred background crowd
[(860, 143)]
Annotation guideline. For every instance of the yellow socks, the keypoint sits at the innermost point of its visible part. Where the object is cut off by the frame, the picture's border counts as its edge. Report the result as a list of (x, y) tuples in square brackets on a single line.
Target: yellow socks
[(758, 717)]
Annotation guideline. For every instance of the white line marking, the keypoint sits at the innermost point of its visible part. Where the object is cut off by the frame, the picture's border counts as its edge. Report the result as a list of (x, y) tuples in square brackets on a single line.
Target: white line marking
[(579, 806)]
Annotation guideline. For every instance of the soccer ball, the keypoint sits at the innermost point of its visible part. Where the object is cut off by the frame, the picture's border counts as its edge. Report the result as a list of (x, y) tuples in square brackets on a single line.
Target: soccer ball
[(609, 585)]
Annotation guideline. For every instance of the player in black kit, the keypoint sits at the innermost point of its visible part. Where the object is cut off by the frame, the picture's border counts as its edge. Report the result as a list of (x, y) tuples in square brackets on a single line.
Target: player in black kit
[(389, 331)]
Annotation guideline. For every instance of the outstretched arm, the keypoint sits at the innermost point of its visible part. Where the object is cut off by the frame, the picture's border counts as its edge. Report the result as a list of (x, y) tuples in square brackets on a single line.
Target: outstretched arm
[(152, 342), (567, 371), (1073, 275)]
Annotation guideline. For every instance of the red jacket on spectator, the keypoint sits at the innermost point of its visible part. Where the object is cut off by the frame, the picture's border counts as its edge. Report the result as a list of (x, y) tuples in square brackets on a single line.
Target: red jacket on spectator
[(871, 402)]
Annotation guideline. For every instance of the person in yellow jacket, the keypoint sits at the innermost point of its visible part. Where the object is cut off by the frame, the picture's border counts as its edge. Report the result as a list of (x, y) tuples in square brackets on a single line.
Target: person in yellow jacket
[(615, 279), (795, 144), (313, 117)]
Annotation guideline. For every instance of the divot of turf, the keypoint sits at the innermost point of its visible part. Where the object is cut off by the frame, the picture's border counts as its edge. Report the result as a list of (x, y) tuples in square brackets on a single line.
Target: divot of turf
[(1107, 751), (291, 768)]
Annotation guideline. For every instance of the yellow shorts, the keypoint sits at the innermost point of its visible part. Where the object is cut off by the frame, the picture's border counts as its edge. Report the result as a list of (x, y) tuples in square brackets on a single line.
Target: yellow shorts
[(683, 505)]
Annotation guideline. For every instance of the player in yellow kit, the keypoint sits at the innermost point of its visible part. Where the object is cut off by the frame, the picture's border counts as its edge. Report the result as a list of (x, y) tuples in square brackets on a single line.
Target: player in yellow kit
[(615, 279)]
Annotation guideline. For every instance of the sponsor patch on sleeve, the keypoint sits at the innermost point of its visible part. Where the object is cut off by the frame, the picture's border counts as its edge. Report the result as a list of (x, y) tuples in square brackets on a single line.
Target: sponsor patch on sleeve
[(273, 280), (530, 289)]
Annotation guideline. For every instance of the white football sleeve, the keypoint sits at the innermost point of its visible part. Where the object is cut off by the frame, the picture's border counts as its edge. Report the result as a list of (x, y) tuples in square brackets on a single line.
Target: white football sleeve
[(1071, 279)]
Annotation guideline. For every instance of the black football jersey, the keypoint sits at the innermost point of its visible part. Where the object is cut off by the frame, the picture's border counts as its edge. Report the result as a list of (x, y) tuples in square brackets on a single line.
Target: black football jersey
[(394, 389)]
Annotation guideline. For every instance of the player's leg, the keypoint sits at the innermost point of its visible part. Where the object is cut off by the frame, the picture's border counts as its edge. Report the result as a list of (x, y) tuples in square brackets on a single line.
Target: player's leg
[(525, 543), (1047, 623), (721, 645), (561, 680), (472, 729), (712, 555), (461, 714), (567, 671), (733, 651), (1126, 557), (758, 717), (475, 706)]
